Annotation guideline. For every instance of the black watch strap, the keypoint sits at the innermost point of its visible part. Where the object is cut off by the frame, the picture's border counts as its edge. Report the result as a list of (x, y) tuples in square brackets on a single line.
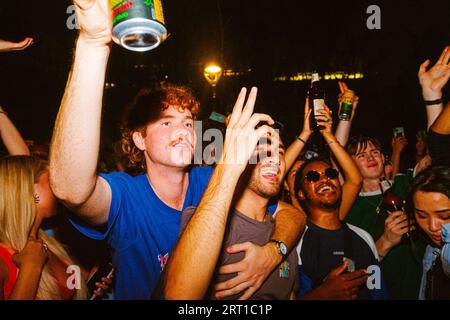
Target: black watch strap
[(282, 249), (432, 102)]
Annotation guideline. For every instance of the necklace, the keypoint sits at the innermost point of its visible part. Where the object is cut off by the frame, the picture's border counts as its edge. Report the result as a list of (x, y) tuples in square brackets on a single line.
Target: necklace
[(376, 206)]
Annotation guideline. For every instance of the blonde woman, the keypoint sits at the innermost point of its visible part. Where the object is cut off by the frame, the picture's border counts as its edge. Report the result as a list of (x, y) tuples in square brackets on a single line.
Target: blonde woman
[(32, 264)]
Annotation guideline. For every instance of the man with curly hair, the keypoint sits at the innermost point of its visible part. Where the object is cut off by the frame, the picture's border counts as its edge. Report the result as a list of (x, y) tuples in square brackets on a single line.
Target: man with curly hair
[(139, 215)]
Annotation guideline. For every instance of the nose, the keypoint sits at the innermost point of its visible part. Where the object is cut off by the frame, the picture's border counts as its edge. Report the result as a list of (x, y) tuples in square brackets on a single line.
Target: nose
[(273, 158), (181, 131), (434, 225)]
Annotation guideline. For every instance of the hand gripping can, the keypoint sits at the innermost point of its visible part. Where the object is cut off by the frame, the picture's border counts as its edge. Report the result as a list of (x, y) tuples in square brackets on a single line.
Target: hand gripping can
[(138, 25)]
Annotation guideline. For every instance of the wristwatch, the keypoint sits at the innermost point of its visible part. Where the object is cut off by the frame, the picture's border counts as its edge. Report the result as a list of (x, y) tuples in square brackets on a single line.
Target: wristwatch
[(282, 249)]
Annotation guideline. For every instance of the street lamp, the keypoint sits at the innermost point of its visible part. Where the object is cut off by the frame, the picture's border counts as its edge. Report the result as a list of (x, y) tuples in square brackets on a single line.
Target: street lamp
[(212, 74)]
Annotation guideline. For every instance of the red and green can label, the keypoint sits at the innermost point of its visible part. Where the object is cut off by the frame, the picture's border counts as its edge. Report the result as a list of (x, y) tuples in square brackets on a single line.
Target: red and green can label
[(129, 9)]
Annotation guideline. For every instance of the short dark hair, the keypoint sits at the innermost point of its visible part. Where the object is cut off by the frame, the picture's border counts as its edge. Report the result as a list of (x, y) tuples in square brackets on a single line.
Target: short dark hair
[(432, 179), (359, 143)]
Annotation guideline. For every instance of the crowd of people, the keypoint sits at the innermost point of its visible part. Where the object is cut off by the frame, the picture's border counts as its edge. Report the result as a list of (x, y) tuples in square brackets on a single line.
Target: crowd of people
[(266, 221)]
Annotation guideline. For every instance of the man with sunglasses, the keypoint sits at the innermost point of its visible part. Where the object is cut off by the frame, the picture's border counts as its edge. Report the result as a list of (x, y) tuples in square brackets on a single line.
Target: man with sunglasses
[(333, 256)]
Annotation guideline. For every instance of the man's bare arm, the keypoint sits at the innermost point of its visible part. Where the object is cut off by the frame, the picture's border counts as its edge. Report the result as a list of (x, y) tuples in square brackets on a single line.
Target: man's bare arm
[(353, 180), (76, 137), (432, 81), (297, 146), (442, 123), (195, 256), (289, 225)]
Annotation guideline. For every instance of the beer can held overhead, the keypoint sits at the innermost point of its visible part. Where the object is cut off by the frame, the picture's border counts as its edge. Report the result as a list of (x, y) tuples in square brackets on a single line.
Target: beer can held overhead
[(138, 25)]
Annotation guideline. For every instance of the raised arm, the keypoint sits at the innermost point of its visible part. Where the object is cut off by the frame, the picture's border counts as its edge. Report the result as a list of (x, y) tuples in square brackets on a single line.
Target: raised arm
[(11, 137), (6, 46), (442, 123), (398, 145), (297, 146), (352, 177), (432, 81), (343, 129), (76, 137), (199, 246)]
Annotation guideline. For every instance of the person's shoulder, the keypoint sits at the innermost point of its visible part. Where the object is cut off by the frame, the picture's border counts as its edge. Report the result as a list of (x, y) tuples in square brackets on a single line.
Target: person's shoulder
[(116, 175), (360, 232), (364, 235), (305, 234)]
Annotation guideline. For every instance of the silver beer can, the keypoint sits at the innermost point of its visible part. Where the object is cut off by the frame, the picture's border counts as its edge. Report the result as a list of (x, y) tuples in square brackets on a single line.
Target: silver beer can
[(138, 25)]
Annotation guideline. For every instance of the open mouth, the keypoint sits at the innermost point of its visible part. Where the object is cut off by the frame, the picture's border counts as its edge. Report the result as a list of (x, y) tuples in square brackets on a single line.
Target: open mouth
[(270, 173), (326, 188)]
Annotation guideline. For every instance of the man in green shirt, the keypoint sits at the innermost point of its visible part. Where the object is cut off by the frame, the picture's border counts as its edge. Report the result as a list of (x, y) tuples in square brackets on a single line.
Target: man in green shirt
[(401, 261)]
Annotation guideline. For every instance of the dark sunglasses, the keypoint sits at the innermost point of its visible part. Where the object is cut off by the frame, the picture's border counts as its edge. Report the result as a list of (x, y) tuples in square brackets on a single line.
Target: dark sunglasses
[(314, 176)]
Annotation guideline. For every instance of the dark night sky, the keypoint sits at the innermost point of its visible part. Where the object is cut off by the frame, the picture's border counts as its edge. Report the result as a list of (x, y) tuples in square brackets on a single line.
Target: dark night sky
[(270, 37)]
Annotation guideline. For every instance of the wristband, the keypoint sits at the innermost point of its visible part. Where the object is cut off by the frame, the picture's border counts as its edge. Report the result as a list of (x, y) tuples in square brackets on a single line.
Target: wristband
[(432, 102), (298, 138), (331, 142)]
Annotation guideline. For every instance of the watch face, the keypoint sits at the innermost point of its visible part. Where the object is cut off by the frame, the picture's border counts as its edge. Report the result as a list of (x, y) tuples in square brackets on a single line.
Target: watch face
[(283, 248)]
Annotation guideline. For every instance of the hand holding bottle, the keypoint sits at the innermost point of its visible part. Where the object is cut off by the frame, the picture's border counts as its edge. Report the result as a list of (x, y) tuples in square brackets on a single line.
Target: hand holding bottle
[(348, 102)]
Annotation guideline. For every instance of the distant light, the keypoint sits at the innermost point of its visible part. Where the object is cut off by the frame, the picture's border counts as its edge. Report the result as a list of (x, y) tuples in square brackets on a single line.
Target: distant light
[(337, 75), (213, 69), (212, 74)]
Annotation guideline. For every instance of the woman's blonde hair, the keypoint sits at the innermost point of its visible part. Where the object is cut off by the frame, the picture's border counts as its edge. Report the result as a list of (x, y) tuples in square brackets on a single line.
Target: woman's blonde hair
[(18, 174)]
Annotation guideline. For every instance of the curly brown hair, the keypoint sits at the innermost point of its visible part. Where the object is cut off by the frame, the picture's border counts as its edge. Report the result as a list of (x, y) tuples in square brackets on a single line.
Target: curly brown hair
[(146, 108)]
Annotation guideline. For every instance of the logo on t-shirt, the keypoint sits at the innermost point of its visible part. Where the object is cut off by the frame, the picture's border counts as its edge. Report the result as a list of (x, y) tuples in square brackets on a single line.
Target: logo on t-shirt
[(284, 271), (163, 260)]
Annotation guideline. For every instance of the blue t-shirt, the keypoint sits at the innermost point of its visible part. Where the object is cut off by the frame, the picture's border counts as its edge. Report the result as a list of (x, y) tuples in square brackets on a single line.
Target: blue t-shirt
[(142, 230)]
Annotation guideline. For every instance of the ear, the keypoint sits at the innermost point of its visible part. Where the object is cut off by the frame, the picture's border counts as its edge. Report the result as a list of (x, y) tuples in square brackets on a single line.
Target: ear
[(301, 195), (37, 193), (139, 140)]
